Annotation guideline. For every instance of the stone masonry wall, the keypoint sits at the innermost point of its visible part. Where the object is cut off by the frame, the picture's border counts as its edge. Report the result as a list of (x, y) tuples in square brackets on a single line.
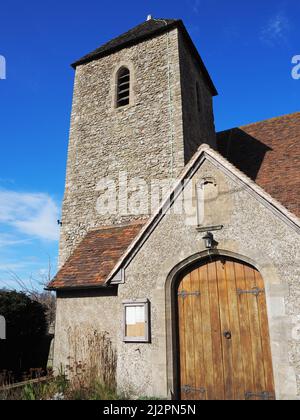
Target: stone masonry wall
[(198, 115), (105, 140), (144, 139), (245, 221), (251, 231)]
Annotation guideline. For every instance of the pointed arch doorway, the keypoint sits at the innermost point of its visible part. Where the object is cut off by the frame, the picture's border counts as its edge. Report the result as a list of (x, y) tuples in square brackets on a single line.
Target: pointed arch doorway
[(223, 333)]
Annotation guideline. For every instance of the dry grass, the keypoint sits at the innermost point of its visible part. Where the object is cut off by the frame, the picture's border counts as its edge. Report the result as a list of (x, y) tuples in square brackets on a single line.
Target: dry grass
[(92, 358), (6, 378), (90, 374)]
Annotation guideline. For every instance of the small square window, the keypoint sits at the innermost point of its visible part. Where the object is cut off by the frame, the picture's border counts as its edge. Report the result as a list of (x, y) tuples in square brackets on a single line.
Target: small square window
[(136, 326)]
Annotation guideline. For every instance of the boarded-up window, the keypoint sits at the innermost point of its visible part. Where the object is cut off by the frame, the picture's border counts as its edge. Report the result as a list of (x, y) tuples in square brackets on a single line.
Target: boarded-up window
[(123, 87), (207, 194), (136, 320)]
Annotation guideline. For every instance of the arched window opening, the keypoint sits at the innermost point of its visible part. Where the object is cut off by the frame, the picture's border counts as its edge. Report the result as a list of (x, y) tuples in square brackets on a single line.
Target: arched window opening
[(123, 87)]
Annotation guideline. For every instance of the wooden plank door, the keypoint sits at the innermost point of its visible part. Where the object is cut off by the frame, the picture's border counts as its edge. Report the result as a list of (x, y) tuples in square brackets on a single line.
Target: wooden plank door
[(223, 332)]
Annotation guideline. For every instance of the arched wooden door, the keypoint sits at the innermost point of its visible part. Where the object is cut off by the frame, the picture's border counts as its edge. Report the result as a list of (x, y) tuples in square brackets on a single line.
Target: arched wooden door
[(224, 344)]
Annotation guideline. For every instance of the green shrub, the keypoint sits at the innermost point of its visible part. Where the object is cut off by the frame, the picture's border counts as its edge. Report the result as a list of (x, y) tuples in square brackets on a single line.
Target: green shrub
[(26, 328)]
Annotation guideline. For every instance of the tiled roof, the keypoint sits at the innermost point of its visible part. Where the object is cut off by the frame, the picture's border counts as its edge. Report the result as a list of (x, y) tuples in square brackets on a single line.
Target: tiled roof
[(137, 34), (269, 153), (141, 32), (95, 257)]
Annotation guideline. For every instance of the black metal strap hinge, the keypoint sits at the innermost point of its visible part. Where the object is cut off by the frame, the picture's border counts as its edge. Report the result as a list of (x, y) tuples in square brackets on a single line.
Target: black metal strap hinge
[(187, 389), (262, 395), (255, 291), (185, 294)]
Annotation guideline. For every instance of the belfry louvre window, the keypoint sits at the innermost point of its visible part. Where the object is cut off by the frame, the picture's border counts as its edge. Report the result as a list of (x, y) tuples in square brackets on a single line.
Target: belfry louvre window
[(123, 87)]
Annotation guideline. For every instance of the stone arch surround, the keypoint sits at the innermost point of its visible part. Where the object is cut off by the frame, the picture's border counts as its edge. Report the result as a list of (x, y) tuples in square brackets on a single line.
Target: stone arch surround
[(285, 380)]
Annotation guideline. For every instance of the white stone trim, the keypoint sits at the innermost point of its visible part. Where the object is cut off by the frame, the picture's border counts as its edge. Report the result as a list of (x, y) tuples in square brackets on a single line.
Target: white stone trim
[(114, 85)]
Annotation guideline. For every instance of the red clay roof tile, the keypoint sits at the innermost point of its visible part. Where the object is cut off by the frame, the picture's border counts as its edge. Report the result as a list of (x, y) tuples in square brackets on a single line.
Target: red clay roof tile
[(269, 153), (95, 257)]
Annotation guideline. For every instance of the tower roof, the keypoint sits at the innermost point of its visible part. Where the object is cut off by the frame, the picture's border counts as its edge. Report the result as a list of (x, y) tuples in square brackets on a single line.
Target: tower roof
[(149, 29)]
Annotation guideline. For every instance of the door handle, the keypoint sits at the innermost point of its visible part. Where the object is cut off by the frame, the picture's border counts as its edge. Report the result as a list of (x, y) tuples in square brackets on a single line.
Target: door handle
[(227, 335)]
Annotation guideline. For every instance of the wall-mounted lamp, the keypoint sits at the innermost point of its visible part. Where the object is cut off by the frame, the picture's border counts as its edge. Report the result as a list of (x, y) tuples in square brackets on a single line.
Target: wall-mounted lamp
[(208, 240)]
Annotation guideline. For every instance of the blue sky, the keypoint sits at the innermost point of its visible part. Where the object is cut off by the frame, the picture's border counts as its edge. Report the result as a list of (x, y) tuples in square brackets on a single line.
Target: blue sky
[(247, 47)]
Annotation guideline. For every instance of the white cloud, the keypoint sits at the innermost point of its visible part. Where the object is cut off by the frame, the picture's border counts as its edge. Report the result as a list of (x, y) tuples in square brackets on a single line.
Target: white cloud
[(276, 30), (10, 240), (32, 214), (12, 266)]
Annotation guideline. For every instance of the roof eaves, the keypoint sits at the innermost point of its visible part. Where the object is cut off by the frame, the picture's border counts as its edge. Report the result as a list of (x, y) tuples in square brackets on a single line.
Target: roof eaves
[(56, 284), (79, 287)]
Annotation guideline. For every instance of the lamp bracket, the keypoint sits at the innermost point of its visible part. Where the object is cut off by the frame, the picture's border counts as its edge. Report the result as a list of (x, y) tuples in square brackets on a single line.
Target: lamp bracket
[(209, 228)]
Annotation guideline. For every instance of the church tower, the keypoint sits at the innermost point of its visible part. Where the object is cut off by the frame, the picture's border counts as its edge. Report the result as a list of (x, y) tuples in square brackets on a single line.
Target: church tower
[(142, 106)]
